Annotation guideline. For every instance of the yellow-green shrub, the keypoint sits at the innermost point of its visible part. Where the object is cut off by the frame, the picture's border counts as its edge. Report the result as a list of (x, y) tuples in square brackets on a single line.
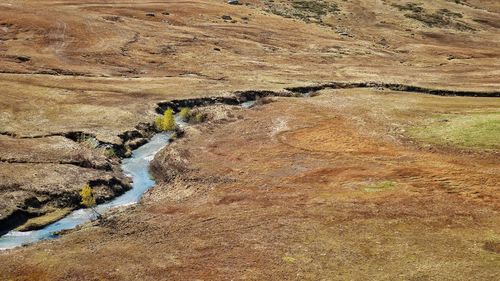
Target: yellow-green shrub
[(185, 114), (88, 199), (166, 122), (198, 117), (88, 196)]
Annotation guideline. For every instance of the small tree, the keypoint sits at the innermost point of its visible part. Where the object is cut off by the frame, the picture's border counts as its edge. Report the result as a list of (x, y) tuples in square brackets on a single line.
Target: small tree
[(167, 121), (88, 199), (185, 114)]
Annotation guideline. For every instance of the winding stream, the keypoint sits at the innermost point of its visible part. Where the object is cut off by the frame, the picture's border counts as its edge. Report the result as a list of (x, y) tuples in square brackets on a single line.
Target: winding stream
[(136, 167)]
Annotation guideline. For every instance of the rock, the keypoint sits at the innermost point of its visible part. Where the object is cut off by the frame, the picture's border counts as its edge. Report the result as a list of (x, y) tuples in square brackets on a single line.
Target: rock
[(217, 49), (150, 14), (345, 34), (130, 135), (165, 13), (113, 18), (233, 2), (226, 17), (136, 143)]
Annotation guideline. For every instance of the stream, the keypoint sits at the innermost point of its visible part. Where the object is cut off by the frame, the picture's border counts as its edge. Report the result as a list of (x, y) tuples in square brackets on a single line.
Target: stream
[(136, 167)]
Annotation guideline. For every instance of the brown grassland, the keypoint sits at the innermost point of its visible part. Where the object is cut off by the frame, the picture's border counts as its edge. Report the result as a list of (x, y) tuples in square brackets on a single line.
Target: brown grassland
[(348, 184)]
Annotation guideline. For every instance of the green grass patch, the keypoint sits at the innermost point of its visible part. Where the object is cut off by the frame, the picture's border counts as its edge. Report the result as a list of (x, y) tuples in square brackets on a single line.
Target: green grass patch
[(40, 222), (474, 130), (380, 186)]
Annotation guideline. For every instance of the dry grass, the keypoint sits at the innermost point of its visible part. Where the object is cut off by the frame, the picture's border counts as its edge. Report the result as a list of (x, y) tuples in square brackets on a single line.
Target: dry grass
[(293, 209), (275, 192)]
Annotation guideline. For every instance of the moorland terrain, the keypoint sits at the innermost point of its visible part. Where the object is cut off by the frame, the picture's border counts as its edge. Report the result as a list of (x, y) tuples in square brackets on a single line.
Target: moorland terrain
[(372, 182)]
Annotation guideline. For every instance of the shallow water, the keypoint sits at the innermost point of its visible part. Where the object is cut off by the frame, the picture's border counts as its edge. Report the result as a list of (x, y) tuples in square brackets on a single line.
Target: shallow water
[(248, 104), (136, 167)]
